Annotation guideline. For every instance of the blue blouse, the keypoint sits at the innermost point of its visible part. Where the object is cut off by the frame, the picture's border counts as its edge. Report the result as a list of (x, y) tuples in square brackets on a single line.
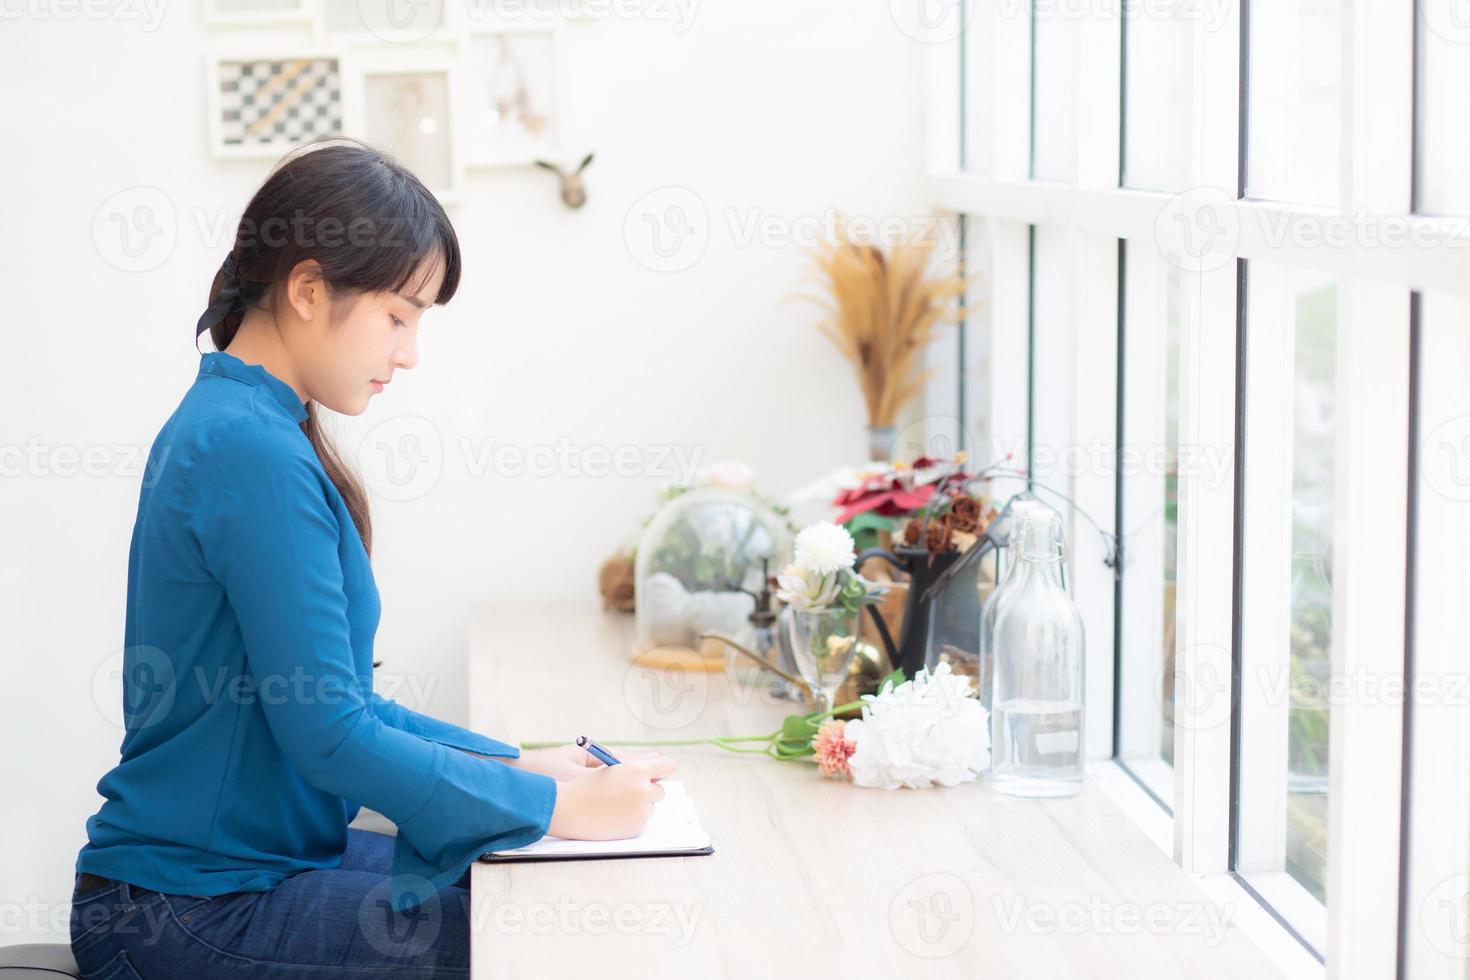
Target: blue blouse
[(252, 733)]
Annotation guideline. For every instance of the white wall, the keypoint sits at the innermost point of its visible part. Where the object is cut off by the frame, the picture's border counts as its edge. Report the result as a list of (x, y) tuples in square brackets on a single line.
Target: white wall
[(763, 106)]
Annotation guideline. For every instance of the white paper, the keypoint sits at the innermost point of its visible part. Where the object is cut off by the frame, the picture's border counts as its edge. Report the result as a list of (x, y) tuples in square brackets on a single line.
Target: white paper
[(673, 827)]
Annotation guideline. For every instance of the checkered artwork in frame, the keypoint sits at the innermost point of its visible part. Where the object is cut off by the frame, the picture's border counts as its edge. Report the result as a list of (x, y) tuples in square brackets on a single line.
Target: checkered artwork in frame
[(278, 104)]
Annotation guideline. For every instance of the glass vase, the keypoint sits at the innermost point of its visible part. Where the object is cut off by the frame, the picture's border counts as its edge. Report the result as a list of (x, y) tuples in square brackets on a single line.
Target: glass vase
[(823, 642)]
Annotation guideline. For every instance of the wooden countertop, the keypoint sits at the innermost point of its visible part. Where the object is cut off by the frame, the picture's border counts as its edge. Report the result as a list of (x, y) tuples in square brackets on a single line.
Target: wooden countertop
[(810, 875)]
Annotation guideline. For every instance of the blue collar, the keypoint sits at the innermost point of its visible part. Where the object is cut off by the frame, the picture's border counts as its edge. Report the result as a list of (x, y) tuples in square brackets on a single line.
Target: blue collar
[(229, 366)]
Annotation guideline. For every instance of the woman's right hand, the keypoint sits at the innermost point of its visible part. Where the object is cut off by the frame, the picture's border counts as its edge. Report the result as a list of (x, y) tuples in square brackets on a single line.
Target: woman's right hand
[(610, 802)]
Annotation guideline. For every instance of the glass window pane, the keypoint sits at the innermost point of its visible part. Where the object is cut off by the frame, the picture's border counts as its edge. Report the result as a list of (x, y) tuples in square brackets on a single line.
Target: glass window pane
[(1296, 101), (1154, 308), (979, 67), (1054, 102), (1443, 160), (975, 371), (1170, 517), (1054, 314), (1287, 591), (1438, 896), (1311, 579), (1158, 77)]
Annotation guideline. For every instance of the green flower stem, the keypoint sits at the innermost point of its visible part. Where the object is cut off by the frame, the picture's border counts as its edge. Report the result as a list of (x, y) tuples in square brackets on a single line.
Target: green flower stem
[(730, 748), (851, 705), (719, 741), (672, 741)]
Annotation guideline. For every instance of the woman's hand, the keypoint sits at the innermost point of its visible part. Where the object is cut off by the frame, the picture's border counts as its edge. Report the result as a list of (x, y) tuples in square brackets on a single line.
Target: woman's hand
[(611, 802), (568, 763)]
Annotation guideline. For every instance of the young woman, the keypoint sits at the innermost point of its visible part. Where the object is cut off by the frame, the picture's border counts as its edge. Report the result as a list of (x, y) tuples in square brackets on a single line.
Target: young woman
[(253, 735)]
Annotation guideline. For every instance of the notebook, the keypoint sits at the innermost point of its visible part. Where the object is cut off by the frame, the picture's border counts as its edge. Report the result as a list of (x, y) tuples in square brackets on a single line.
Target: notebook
[(672, 829)]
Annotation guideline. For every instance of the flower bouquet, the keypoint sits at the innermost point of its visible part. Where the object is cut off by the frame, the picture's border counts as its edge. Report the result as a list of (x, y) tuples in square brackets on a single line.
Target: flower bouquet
[(932, 513), (876, 500)]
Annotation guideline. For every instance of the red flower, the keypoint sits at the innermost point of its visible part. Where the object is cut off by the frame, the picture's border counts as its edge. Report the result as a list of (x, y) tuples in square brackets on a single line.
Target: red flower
[(894, 500)]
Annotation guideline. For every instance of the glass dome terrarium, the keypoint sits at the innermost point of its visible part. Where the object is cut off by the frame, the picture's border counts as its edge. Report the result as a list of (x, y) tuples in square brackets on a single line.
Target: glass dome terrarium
[(699, 565)]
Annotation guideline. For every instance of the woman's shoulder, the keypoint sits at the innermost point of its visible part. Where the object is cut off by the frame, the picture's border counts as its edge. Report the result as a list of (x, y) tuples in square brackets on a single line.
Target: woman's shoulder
[(229, 431)]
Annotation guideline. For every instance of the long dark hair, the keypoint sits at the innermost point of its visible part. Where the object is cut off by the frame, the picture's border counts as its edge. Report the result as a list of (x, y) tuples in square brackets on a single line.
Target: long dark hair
[(367, 221)]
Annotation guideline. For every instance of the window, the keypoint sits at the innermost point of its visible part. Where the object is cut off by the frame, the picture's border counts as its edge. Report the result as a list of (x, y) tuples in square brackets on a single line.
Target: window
[(1287, 597), (1444, 104), (1159, 59), (1054, 258), (976, 329), (1054, 118), (1212, 353), (1296, 101), (1149, 460), (1438, 856)]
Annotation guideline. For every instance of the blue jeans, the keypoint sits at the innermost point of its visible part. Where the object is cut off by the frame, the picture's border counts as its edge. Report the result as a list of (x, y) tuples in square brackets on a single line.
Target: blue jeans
[(332, 923)]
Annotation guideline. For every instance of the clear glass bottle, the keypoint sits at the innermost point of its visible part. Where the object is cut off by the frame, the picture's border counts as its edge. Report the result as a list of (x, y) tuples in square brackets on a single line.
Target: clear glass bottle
[(1037, 746), (1007, 578)]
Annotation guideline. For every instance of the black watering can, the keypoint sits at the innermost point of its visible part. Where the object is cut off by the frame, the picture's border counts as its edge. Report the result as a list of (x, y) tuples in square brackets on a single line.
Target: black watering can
[(928, 574)]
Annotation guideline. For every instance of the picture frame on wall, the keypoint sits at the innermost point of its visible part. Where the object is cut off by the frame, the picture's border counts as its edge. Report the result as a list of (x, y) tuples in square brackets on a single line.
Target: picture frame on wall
[(257, 13), (467, 16), (404, 102), (513, 93), (387, 21), (261, 105)]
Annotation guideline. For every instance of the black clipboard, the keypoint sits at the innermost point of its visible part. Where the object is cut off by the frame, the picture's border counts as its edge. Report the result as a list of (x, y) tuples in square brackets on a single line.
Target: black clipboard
[(494, 857)]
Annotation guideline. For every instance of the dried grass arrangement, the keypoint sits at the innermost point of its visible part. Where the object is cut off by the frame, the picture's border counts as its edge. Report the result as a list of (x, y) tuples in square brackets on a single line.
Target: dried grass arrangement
[(883, 309)]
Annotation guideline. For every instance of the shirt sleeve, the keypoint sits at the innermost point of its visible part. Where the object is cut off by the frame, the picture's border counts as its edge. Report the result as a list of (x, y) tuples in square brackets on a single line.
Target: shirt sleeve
[(426, 726), (267, 531)]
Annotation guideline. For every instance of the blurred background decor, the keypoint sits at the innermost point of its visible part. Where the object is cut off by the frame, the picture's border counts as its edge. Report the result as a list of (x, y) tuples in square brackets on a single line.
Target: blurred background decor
[(883, 309), (943, 518), (404, 104), (262, 106), (615, 579), (702, 560), (573, 190), (254, 13), (902, 516), (513, 95)]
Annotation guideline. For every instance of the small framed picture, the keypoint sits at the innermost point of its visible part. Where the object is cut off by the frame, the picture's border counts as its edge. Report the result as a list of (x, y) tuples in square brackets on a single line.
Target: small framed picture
[(403, 103), (263, 105), (513, 95), (390, 21), (251, 13), (468, 16)]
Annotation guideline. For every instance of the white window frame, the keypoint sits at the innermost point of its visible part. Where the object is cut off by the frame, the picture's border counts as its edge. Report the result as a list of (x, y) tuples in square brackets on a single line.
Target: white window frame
[(1438, 872), (1371, 511)]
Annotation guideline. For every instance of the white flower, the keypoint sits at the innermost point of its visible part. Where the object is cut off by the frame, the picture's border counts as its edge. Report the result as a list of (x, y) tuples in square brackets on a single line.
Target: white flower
[(921, 732), (824, 548), (800, 588), (839, 480)]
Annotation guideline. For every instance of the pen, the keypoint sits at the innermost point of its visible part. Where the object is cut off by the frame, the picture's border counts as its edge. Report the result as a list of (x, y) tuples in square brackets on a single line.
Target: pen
[(607, 757)]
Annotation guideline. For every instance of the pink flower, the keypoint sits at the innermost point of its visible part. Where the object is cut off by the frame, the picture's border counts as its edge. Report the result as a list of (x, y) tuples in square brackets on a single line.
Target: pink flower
[(832, 748)]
